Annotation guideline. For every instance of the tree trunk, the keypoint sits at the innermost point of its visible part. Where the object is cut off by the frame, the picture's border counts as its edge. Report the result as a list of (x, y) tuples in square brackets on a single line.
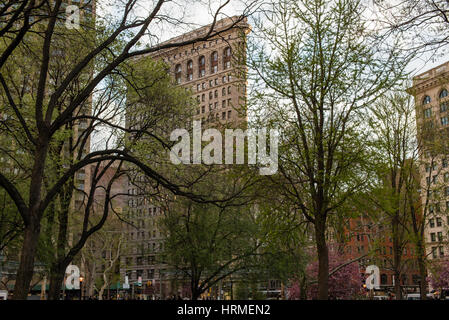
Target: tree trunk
[(323, 261), (26, 265), (32, 227), (397, 255), (422, 271), (56, 279), (303, 288)]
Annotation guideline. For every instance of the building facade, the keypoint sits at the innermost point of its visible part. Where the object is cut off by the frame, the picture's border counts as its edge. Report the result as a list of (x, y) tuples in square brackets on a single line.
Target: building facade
[(213, 71), (431, 95)]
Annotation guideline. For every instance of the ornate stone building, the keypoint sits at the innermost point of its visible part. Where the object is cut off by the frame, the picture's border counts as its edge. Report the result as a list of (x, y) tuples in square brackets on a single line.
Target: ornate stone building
[(213, 70)]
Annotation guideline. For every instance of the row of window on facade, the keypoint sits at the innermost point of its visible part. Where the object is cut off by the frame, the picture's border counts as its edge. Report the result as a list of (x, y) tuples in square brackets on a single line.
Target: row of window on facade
[(146, 274), (213, 94), (434, 167), (439, 221), (443, 94), (435, 207), (202, 65), (436, 235), (437, 252), (212, 118), (225, 79), (214, 106), (141, 235), (434, 178)]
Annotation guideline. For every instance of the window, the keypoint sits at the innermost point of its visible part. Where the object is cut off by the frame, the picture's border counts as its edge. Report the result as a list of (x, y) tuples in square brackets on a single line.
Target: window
[(229, 114), (432, 237), (210, 106), (227, 58), (214, 62), (223, 91), (223, 104), (439, 222), (210, 95), (434, 252), (445, 121), (203, 109), (444, 106), (201, 66), (203, 97), (383, 279), (189, 70), (178, 70), (441, 250), (427, 113), (440, 236), (443, 93), (223, 115), (203, 85), (229, 89), (224, 79), (216, 94), (198, 87), (432, 223), (426, 100)]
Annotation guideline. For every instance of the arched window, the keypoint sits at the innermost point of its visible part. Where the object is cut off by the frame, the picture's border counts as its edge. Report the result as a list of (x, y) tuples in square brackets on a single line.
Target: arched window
[(426, 100), (223, 91), (227, 58), (216, 94), (443, 93), (214, 62), (201, 66), (178, 70), (189, 70)]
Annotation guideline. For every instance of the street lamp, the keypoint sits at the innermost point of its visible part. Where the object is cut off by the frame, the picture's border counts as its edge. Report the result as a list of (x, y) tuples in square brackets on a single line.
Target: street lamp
[(81, 287)]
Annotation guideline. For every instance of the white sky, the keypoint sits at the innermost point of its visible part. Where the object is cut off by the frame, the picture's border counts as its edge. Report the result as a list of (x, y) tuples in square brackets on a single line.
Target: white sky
[(197, 13)]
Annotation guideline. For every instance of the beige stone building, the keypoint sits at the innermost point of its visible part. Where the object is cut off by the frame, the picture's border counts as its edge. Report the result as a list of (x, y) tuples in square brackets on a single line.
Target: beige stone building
[(431, 92), (213, 71)]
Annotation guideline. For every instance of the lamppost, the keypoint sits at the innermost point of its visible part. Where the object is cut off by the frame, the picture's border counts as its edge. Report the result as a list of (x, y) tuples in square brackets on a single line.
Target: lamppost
[(81, 287)]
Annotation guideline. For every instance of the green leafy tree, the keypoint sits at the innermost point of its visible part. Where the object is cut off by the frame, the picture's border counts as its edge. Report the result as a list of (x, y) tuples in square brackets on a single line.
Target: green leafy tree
[(315, 72)]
